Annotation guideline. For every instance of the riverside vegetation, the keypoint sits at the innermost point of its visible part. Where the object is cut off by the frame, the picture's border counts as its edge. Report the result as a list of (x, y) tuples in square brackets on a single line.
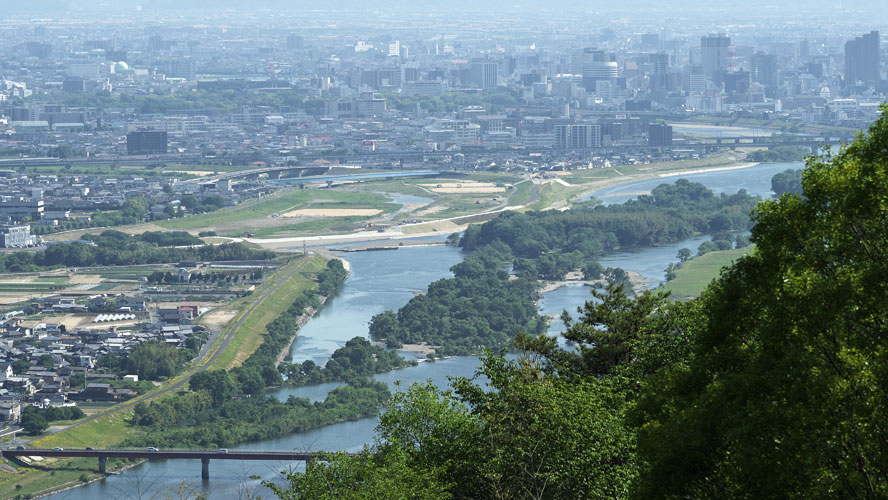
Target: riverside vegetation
[(115, 248), (222, 408), (491, 297), (772, 384)]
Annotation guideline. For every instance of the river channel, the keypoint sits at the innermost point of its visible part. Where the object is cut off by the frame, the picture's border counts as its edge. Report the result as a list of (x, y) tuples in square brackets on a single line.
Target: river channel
[(382, 280)]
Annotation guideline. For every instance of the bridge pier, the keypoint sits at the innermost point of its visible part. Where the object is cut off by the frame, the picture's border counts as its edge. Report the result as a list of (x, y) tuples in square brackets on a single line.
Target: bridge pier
[(205, 468), (103, 465)]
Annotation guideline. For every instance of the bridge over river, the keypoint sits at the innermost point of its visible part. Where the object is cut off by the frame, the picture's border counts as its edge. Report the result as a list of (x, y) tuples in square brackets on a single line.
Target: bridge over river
[(152, 453)]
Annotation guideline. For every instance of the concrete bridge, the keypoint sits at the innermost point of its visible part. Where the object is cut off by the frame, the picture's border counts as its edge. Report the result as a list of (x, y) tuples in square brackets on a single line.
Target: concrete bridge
[(151, 453)]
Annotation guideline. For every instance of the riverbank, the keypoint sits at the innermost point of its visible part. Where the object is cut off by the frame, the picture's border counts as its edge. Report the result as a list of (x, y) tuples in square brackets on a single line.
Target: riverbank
[(638, 281), (707, 170)]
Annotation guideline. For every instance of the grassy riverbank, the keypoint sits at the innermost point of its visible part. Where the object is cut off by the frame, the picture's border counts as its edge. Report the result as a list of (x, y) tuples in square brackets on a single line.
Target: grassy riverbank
[(698, 272)]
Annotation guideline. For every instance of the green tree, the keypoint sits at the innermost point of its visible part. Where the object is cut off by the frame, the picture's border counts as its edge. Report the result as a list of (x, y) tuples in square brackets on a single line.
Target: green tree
[(34, 423), (218, 383), (684, 254), (785, 394)]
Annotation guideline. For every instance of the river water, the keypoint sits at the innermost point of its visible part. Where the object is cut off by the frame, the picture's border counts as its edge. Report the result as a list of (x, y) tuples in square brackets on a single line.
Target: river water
[(379, 281)]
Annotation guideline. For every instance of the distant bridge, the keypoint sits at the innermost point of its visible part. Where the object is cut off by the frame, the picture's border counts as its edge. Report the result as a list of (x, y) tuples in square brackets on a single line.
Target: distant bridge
[(203, 455)]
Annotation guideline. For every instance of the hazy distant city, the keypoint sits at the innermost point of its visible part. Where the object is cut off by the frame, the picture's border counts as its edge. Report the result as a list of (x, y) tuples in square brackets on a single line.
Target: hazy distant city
[(182, 188)]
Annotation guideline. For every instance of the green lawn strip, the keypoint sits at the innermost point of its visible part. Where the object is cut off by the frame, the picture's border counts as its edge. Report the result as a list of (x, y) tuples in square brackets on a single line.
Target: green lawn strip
[(286, 201), (549, 194), (520, 194), (327, 225), (30, 287), (248, 337), (698, 272)]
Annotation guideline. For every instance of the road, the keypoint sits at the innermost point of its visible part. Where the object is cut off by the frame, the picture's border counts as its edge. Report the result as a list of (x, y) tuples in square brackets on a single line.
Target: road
[(199, 361)]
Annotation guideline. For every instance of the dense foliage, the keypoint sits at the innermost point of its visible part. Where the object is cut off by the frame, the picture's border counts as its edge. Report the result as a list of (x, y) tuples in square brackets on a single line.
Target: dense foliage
[(224, 408), (114, 248), (35, 420), (357, 358), (479, 306), (779, 153), (484, 305), (260, 366), (786, 385), (153, 360), (788, 181), (672, 212), (774, 384), (198, 420)]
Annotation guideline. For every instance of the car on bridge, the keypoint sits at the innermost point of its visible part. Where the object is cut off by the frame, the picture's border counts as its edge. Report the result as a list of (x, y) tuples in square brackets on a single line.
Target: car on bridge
[(222, 450), (151, 448), (58, 449)]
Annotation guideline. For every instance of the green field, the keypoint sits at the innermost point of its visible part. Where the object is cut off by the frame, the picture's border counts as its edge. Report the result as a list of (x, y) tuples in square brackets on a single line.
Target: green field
[(286, 201), (698, 272)]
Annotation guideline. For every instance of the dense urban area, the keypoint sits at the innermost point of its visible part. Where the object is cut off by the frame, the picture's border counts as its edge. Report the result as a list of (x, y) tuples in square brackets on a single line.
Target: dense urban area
[(187, 191)]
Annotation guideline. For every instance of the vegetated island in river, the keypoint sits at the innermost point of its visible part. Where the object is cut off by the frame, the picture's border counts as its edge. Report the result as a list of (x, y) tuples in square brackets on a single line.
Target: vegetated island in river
[(492, 296)]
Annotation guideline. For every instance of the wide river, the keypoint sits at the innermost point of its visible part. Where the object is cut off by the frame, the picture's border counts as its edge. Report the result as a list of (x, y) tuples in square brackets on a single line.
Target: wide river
[(379, 281)]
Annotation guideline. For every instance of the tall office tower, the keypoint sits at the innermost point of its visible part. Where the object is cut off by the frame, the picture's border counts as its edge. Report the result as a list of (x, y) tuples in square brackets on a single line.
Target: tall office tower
[(659, 135), (594, 65), (862, 59), (483, 73), (764, 68), (804, 51), (714, 53), (693, 79), (659, 63), (295, 42)]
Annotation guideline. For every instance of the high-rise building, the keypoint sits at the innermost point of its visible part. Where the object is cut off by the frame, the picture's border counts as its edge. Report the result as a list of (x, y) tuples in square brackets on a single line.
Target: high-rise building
[(659, 69), (582, 136), (484, 74), (182, 68), (139, 143), (594, 65), (764, 69), (714, 53), (862, 59), (737, 83), (295, 42), (660, 135)]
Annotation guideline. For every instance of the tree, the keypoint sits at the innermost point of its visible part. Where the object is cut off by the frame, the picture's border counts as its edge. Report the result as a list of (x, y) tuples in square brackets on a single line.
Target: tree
[(218, 383), (20, 366), (34, 423), (370, 476), (684, 254), (785, 393), (45, 360)]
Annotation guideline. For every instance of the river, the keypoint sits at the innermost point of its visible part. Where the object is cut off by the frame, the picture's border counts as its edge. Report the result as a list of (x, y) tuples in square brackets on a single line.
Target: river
[(379, 281)]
